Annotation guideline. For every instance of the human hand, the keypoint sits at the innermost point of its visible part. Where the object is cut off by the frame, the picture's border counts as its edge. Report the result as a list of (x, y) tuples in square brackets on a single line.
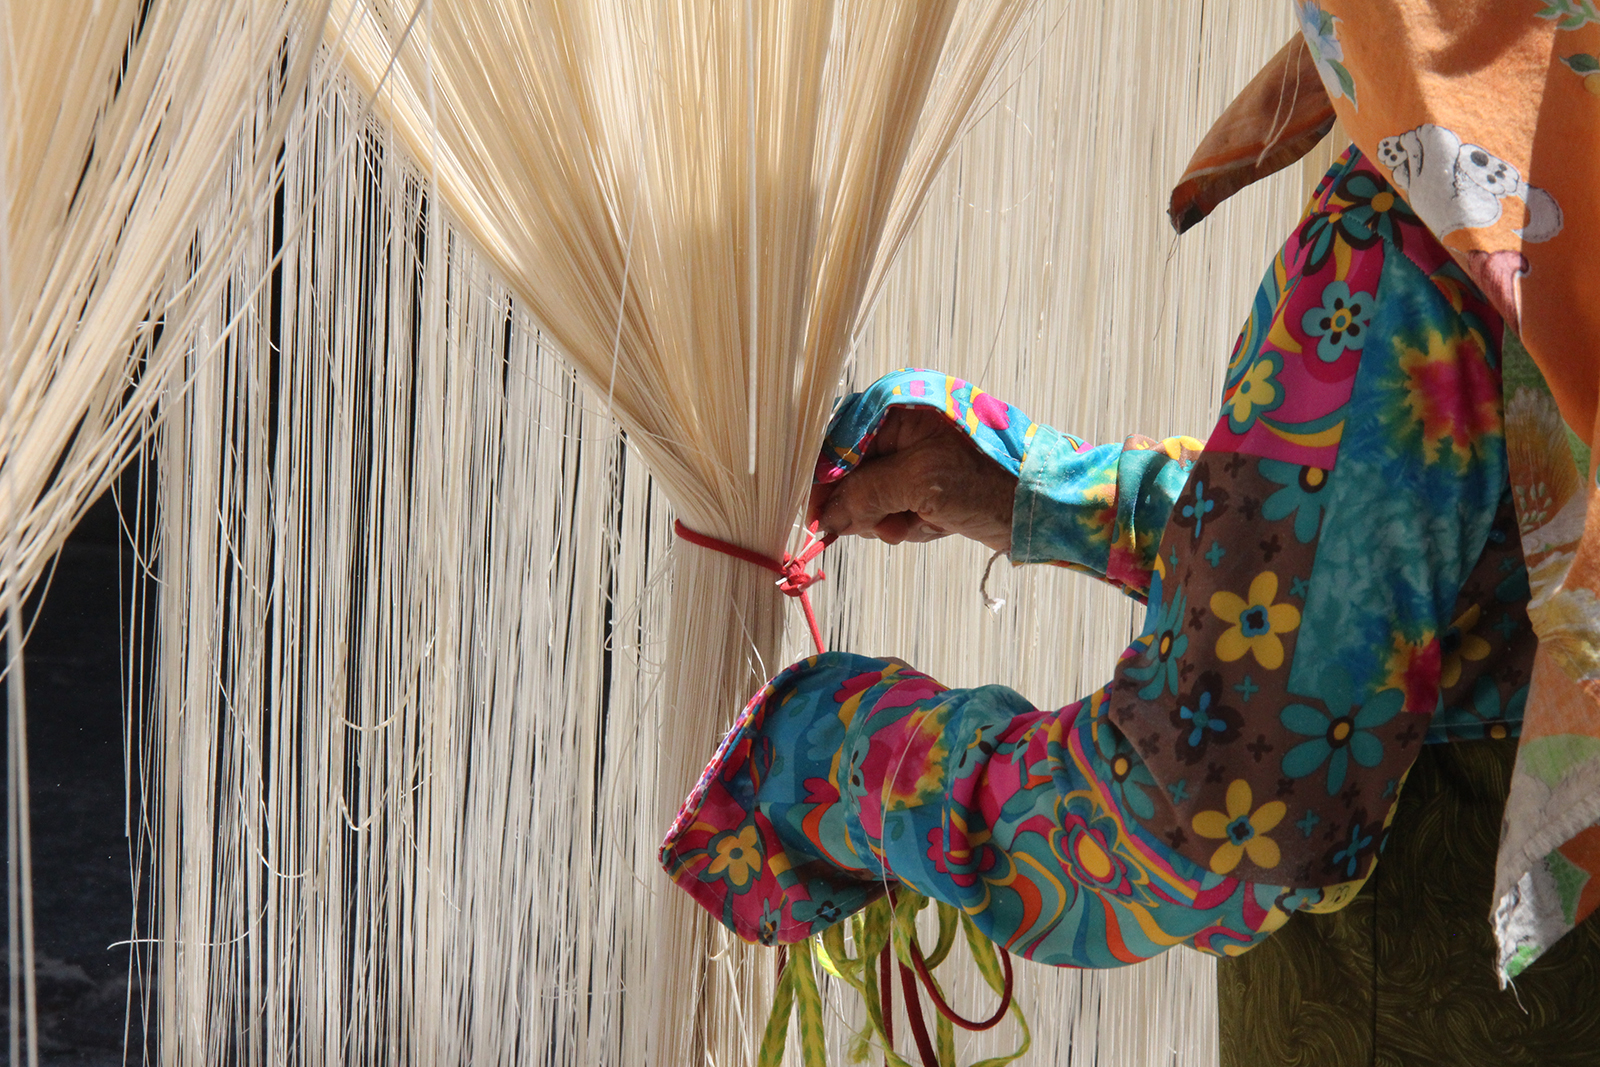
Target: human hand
[(920, 480)]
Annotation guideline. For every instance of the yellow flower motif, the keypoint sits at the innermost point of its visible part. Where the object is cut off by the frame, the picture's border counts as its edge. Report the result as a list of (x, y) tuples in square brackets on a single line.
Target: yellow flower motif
[(1461, 643), (1241, 830), (1335, 897), (1256, 390), (738, 854), (1256, 622)]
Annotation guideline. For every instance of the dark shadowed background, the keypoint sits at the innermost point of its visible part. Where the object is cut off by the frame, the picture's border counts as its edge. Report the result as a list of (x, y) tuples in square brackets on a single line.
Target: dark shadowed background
[(83, 901)]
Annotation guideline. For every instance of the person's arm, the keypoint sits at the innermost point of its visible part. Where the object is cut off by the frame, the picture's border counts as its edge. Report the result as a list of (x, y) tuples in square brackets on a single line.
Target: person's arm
[(1246, 756), (928, 455), (1098, 509), (846, 772), (1242, 763), (1235, 769)]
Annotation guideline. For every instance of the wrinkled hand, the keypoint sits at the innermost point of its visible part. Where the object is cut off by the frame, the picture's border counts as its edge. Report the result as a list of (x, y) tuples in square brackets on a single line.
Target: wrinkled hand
[(920, 480)]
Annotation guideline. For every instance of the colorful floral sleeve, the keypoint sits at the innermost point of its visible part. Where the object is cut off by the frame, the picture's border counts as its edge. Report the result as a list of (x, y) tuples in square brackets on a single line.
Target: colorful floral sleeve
[(1099, 510), (1338, 565), (845, 772)]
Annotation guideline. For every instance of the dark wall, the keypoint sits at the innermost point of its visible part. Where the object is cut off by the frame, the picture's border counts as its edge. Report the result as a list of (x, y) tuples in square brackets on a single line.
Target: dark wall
[(83, 899)]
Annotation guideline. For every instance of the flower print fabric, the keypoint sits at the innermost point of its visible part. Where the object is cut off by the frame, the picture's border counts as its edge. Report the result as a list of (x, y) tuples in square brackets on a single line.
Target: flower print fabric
[(1255, 624), (1303, 495), (1341, 323), (1338, 732), (1241, 830), (1095, 509), (1158, 663), (1000, 430), (1205, 715), (1244, 759), (1318, 27), (1100, 509)]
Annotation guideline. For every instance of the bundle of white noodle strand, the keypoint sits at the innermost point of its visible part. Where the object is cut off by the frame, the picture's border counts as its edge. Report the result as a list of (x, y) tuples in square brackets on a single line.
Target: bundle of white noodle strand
[(119, 122), (691, 198)]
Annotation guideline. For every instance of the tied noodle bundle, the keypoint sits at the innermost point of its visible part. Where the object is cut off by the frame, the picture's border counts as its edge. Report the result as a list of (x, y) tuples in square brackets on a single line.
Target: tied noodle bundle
[(696, 200)]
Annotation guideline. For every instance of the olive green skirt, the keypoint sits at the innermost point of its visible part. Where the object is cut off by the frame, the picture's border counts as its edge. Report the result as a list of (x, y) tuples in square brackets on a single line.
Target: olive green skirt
[(1404, 975)]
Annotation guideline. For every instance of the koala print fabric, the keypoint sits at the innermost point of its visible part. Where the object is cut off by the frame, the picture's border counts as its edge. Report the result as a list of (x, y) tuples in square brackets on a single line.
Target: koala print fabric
[(1333, 581), (1485, 117)]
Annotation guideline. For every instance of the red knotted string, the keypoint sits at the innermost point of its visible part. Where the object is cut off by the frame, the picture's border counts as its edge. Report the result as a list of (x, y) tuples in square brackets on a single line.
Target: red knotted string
[(793, 579), (919, 1025), (944, 1006), (919, 1028)]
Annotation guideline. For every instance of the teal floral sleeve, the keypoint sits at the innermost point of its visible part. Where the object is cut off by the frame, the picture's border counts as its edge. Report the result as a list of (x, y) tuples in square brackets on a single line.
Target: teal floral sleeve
[(1100, 510), (846, 772)]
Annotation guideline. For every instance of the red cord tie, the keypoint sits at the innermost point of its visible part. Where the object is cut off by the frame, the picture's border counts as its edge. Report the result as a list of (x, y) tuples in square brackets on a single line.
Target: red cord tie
[(793, 579)]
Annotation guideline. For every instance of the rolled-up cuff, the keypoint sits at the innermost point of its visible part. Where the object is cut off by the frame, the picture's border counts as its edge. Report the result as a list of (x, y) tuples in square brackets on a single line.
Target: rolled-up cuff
[(771, 840), (999, 430), (1099, 509), (847, 774), (1047, 519)]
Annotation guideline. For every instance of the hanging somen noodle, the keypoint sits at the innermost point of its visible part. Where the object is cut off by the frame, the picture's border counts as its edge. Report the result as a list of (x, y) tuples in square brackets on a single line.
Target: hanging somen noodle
[(119, 120)]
